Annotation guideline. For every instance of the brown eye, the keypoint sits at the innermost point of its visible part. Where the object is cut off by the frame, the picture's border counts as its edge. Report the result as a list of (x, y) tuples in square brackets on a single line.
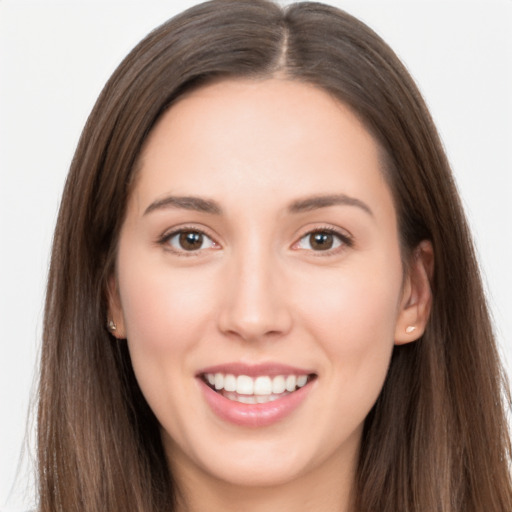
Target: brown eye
[(319, 241), (189, 241)]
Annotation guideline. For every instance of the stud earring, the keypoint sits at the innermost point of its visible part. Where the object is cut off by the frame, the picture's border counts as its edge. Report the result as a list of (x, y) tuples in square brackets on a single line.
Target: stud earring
[(410, 328), (111, 325)]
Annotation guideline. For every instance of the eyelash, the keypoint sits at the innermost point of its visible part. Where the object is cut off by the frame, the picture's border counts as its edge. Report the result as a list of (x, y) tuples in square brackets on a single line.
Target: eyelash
[(345, 240), (166, 237)]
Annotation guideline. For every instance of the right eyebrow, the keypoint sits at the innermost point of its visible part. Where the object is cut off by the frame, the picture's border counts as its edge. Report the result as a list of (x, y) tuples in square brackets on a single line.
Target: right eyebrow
[(324, 201), (198, 204)]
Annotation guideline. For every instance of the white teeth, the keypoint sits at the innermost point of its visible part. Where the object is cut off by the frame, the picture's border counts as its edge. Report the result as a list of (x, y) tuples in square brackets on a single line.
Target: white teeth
[(252, 399), (229, 383), (244, 385), (301, 381), (219, 381), (247, 399), (260, 389), (263, 386), (291, 383), (278, 384)]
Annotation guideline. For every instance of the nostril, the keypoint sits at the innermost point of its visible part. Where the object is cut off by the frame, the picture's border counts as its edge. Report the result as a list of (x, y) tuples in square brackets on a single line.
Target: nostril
[(254, 307)]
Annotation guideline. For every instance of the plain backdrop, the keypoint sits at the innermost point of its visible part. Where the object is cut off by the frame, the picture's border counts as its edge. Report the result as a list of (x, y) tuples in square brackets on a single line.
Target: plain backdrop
[(56, 56)]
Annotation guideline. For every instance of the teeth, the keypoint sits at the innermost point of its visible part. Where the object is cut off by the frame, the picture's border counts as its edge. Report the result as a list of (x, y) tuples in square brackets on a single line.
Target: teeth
[(252, 399), (229, 383), (255, 390), (278, 385), (291, 383), (244, 385), (263, 386), (219, 381), (302, 380)]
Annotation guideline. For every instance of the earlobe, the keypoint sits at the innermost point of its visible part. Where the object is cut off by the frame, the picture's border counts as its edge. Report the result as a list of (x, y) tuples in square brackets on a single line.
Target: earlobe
[(115, 319), (417, 296)]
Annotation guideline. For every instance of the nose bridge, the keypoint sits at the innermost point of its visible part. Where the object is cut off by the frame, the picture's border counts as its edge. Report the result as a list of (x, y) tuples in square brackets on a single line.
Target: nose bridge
[(255, 303)]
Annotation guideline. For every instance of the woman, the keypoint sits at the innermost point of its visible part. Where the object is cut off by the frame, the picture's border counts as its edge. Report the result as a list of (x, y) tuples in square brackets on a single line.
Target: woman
[(263, 293)]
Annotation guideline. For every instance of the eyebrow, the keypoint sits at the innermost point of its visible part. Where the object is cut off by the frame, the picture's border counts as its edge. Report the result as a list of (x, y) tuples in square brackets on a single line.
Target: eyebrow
[(186, 203), (300, 205), (316, 202)]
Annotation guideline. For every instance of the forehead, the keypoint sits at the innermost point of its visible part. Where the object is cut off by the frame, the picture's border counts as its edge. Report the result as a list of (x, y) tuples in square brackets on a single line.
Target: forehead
[(245, 136)]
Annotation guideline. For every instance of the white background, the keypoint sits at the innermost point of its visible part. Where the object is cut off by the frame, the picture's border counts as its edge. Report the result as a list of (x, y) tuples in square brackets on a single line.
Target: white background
[(55, 58)]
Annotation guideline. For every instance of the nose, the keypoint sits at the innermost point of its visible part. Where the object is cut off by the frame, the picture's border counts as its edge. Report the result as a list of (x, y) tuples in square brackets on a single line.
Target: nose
[(255, 305)]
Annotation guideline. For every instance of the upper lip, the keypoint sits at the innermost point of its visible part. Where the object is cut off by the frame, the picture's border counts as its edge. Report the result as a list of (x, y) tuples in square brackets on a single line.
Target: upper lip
[(253, 370)]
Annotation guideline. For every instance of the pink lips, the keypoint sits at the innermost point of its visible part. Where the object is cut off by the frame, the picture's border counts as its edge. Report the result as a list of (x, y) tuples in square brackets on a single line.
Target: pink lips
[(253, 415)]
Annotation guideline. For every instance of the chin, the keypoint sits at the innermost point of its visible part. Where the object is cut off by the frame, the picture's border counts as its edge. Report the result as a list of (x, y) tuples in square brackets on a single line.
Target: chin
[(257, 473)]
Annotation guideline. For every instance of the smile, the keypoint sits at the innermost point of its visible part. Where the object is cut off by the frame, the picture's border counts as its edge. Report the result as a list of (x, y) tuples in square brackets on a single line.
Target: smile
[(255, 390), (255, 395)]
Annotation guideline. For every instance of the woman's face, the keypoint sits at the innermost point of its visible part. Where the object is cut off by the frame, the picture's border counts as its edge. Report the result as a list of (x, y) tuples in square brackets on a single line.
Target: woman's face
[(260, 256)]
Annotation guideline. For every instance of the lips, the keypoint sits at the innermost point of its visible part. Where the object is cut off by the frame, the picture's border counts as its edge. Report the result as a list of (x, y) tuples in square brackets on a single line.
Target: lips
[(254, 395)]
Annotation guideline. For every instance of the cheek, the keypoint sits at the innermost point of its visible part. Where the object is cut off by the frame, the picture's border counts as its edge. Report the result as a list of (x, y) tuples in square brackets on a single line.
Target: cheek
[(353, 318), (163, 310), (354, 327), (166, 314)]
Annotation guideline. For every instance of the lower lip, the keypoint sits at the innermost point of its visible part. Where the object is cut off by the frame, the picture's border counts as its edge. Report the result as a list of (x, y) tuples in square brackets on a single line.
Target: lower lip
[(254, 415)]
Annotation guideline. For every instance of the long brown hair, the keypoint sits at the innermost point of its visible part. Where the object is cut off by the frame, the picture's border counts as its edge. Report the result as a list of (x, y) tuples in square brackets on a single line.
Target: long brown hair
[(437, 438)]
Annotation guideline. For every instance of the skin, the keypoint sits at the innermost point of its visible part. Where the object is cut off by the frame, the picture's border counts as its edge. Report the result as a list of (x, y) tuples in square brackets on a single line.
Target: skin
[(258, 291)]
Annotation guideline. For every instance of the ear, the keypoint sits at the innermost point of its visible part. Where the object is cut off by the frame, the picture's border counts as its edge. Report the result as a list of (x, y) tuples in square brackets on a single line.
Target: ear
[(416, 299), (115, 312)]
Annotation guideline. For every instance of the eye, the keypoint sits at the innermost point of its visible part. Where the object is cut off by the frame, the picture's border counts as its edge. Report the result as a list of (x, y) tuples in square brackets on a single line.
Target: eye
[(322, 240), (189, 240)]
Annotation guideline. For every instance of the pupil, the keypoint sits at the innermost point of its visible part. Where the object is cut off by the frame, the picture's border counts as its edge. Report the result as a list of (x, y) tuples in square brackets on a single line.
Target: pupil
[(191, 240), (321, 241)]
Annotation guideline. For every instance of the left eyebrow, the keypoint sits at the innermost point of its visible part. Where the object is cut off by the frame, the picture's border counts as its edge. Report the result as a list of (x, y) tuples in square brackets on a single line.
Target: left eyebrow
[(315, 202), (186, 203)]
